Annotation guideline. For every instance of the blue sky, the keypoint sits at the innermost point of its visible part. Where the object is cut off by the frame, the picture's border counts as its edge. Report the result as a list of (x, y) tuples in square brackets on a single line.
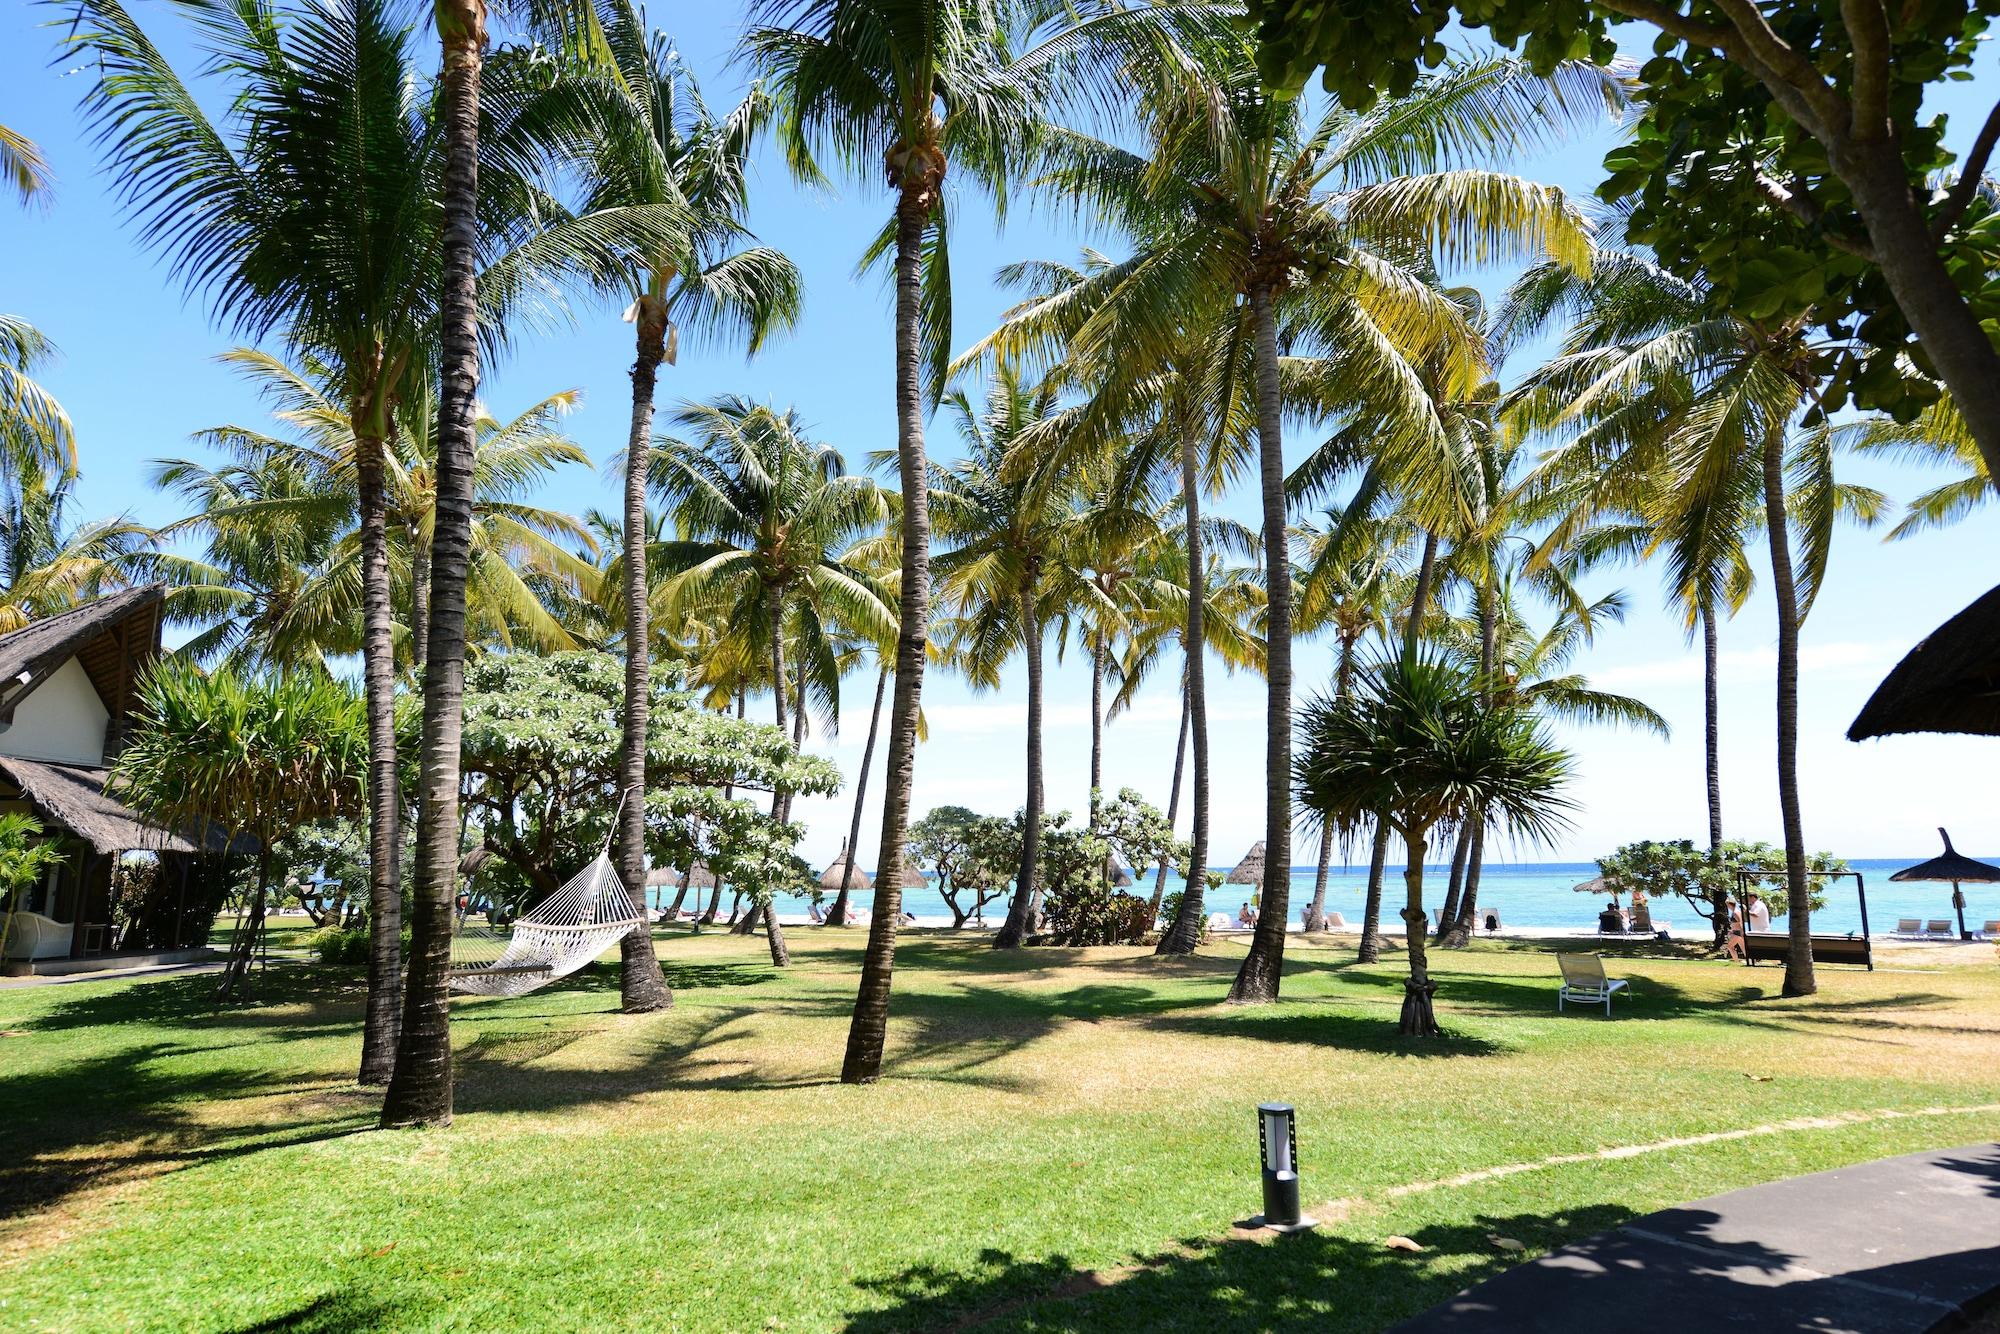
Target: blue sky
[(138, 377)]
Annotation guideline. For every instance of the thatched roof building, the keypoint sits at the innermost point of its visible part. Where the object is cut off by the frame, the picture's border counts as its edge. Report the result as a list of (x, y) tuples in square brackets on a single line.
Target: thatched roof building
[(73, 798), (1950, 682), (835, 875), (1249, 871)]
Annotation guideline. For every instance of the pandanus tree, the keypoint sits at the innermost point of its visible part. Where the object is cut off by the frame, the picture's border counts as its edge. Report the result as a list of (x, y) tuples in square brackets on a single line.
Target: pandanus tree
[(657, 143), (1650, 385), (1017, 545), (335, 209), (224, 754), (1317, 226), (1419, 743), (768, 514)]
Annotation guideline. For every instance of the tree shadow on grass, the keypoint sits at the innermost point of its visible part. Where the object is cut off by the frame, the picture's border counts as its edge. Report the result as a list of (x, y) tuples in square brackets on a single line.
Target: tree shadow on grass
[(139, 1115), (326, 995), (1317, 1280), (1315, 1025), (329, 1313)]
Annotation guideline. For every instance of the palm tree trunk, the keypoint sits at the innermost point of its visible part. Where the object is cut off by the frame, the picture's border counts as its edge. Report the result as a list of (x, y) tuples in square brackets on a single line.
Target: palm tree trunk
[(838, 917), (385, 799), (1448, 916), (760, 910), (1173, 803), (1799, 980), (1378, 853), (420, 1090), (714, 902), (1371, 906), (1419, 1018), (642, 986), (1259, 977), (865, 1036), (420, 602), (1096, 725), (1315, 918), (1014, 931), (1185, 931), (1455, 929), (1712, 726)]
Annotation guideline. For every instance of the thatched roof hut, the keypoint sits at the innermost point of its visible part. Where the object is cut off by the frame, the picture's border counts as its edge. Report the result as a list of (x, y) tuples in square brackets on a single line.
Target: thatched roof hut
[(700, 877), (1249, 871), (836, 874), (912, 877), (1950, 682)]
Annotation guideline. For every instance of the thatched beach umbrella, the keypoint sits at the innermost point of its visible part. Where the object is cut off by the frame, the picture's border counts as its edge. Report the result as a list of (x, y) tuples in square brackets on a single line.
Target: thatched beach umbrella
[(663, 877), (836, 875), (1950, 682), (1594, 885), (699, 877), (1249, 871), (912, 877), (1121, 874), (1956, 869)]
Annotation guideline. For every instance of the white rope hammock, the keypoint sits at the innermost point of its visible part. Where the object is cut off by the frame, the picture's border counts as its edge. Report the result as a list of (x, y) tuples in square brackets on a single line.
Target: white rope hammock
[(574, 925)]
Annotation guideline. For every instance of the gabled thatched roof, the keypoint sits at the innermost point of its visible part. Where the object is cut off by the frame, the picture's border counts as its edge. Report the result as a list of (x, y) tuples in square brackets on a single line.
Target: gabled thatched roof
[(1950, 682), (1952, 866), (836, 873), (1249, 871), (73, 797), (30, 654)]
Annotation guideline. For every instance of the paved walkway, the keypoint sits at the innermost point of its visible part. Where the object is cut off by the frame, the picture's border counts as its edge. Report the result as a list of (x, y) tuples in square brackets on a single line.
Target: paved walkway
[(1888, 1247)]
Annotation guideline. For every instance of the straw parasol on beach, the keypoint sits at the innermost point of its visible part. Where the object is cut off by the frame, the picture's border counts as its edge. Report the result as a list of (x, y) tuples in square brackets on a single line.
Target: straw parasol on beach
[(1956, 869), (1950, 682), (836, 874), (1121, 874), (663, 877), (1249, 871), (699, 877), (912, 877)]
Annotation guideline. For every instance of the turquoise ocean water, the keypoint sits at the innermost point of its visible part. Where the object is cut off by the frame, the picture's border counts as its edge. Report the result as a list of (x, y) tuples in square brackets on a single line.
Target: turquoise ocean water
[(1542, 894)]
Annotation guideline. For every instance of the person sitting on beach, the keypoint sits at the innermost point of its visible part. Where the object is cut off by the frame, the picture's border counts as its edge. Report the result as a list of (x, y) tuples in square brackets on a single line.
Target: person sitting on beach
[(1246, 916), (909, 918), (1760, 913), (1611, 922)]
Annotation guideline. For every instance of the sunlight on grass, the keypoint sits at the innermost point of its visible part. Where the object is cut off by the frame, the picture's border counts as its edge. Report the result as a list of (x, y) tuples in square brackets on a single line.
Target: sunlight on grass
[(1063, 1141)]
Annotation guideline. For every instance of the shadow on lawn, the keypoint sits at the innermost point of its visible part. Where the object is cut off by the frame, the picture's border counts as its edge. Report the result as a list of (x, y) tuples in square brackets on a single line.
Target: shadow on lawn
[(1315, 1280), (329, 1313), (139, 1116)]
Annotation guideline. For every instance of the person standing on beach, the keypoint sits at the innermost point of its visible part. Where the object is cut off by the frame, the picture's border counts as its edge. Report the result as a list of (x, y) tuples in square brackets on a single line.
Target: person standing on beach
[(1760, 913)]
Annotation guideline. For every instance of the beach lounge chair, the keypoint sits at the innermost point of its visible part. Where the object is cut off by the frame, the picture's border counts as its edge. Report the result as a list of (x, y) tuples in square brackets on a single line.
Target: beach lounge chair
[(1335, 922), (1939, 928), (1990, 931), (1489, 918), (1584, 980), (1909, 927)]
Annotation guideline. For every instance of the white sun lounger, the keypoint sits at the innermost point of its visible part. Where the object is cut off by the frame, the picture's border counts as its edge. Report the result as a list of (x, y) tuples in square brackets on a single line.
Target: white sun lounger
[(1584, 980), (1910, 927), (1939, 928)]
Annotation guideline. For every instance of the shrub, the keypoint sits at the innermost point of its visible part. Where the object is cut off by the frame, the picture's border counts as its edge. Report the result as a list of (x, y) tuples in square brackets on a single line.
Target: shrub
[(1170, 908), (1089, 914), (340, 945)]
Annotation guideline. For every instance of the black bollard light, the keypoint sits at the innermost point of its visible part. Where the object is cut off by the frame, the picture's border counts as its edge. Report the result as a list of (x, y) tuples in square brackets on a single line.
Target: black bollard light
[(1278, 1139)]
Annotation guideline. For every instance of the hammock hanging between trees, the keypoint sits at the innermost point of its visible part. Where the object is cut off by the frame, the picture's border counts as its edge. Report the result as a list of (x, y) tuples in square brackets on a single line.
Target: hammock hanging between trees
[(565, 931)]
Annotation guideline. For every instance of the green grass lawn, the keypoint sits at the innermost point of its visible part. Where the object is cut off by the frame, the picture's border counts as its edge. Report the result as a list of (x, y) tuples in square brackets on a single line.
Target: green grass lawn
[(1063, 1140)]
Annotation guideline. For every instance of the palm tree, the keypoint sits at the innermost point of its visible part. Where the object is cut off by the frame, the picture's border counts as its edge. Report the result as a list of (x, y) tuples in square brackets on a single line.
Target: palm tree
[(914, 88), (768, 517), (1649, 385), (1018, 545), (243, 754), (1311, 224), (1625, 514), (658, 143), (336, 209), (1938, 438), (1419, 744)]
